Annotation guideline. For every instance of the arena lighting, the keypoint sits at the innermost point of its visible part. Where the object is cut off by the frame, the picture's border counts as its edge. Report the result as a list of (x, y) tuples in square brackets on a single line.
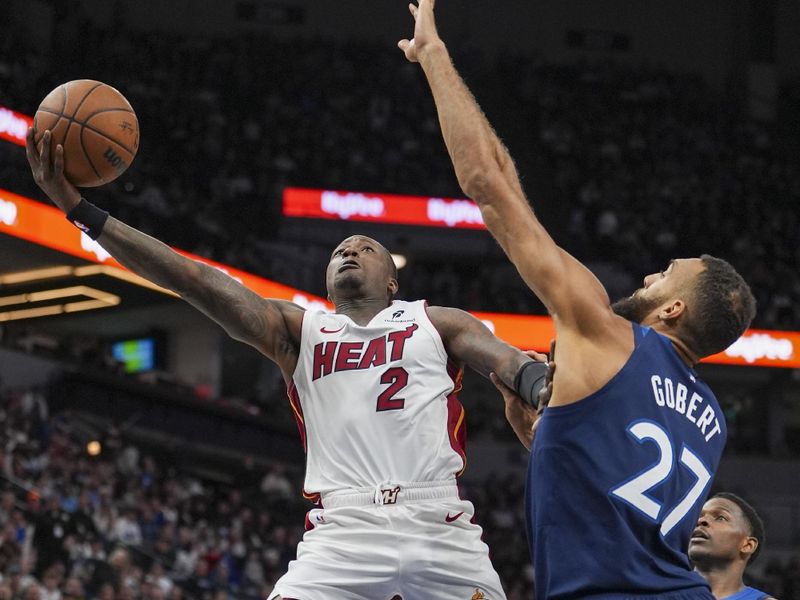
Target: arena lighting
[(400, 260), (35, 275), (99, 299), (85, 271), (94, 448), (122, 275)]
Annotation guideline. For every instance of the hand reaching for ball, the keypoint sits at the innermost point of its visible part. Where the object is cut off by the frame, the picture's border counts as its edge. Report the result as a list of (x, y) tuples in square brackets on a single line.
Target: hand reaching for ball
[(47, 167)]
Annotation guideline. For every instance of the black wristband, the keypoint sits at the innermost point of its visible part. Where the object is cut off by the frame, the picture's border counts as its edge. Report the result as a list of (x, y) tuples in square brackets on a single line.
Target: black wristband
[(529, 381), (88, 218)]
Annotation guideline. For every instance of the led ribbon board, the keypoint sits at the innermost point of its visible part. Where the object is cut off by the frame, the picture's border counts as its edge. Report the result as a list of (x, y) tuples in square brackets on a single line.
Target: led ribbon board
[(46, 226), (382, 208)]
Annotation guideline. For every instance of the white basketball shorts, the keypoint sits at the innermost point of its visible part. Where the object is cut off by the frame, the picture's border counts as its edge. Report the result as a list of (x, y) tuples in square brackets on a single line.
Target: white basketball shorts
[(415, 541)]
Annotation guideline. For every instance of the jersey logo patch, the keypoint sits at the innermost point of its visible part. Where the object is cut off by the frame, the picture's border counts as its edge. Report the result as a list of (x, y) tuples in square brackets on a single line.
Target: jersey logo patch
[(325, 330), (478, 595), (395, 318), (452, 518)]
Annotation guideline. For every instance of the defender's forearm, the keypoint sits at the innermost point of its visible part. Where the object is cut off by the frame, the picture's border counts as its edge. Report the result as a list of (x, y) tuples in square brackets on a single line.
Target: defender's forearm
[(474, 147)]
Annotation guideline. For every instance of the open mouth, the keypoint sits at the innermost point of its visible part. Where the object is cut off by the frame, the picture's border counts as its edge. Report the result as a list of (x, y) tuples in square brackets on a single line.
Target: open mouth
[(698, 535), (348, 264)]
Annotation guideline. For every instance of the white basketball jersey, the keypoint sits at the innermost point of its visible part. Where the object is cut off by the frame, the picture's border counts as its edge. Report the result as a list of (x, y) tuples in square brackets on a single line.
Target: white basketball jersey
[(376, 404)]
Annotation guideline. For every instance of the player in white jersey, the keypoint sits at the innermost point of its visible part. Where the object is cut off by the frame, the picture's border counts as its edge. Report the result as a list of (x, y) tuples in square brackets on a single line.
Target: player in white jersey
[(373, 389)]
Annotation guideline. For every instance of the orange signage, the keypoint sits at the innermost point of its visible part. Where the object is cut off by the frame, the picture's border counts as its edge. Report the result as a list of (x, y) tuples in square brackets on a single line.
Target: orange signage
[(46, 225)]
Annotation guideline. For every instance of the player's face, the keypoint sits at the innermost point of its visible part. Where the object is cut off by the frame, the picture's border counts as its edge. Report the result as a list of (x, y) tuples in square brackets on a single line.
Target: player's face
[(660, 288), (719, 534), (358, 264)]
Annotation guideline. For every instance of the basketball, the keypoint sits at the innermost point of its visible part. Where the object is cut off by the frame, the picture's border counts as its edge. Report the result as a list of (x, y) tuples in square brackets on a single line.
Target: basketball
[(96, 126)]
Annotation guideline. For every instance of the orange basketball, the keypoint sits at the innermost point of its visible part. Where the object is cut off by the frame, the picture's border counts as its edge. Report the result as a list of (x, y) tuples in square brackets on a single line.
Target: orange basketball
[(97, 127)]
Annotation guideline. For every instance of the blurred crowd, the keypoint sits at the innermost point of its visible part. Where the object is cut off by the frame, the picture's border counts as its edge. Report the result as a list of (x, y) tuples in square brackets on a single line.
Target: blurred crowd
[(124, 525), (635, 165)]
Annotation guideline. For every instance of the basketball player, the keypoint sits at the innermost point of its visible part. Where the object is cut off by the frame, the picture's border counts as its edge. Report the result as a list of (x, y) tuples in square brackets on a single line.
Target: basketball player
[(627, 448), (727, 539), (373, 388)]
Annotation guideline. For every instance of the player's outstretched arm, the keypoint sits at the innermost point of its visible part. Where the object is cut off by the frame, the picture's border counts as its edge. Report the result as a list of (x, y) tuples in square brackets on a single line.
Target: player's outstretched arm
[(271, 326), (470, 343), (486, 173)]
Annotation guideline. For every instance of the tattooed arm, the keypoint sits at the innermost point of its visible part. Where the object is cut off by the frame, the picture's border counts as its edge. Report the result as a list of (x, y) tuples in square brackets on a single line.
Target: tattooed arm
[(271, 326)]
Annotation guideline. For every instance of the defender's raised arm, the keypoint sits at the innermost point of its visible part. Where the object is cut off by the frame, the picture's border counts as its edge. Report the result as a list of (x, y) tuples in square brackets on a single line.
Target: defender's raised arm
[(487, 174)]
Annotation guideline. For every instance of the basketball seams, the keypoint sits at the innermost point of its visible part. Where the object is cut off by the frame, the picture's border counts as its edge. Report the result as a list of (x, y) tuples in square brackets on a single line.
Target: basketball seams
[(109, 138), (85, 96), (102, 110), (89, 157), (86, 124)]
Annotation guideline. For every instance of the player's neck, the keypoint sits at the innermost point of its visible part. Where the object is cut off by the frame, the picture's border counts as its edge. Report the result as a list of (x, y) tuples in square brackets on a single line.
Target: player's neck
[(724, 580), (687, 356), (361, 310)]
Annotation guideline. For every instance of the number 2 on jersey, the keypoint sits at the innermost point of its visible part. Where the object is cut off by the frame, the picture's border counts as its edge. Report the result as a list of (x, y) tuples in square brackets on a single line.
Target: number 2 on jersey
[(633, 491), (397, 377)]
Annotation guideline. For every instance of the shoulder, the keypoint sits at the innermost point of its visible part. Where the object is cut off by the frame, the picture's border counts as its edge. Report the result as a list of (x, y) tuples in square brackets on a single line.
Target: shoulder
[(445, 318)]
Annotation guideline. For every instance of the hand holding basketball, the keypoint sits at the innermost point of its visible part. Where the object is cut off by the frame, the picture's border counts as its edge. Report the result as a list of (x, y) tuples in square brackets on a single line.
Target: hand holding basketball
[(47, 166)]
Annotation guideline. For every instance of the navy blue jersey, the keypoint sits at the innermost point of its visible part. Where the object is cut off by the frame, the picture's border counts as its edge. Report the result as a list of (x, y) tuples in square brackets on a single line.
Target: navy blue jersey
[(616, 481), (747, 593)]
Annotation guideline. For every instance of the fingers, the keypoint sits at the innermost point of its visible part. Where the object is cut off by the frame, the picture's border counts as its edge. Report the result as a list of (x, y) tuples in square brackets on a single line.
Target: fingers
[(44, 157), (403, 45), (551, 371), (58, 161), (498, 383), (412, 8), (537, 356), (30, 149)]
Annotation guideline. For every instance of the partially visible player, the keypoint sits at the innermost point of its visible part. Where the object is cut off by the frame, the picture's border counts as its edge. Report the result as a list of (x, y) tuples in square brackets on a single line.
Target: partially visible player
[(632, 437), (728, 537), (373, 387)]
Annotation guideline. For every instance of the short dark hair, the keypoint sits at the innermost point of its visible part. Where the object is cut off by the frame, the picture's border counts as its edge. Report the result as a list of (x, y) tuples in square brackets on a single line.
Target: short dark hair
[(392, 264), (753, 520), (723, 307)]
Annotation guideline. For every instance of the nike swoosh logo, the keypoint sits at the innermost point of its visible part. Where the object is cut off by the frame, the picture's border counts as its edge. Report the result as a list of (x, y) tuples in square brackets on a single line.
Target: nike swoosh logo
[(323, 330), (450, 519)]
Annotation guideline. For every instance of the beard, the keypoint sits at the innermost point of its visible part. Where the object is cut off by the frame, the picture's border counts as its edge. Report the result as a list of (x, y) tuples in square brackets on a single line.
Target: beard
[(635, 308)]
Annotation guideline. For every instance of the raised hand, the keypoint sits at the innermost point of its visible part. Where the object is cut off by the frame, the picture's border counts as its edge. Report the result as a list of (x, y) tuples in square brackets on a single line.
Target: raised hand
[(425, 34), (47, 167), (522, 417)]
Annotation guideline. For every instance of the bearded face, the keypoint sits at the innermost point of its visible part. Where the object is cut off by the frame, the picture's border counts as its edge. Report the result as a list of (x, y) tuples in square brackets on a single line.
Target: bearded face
[(636, 307)]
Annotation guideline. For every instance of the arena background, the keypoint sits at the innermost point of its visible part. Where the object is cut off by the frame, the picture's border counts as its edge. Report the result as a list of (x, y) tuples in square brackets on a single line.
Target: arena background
[(145, 455)]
